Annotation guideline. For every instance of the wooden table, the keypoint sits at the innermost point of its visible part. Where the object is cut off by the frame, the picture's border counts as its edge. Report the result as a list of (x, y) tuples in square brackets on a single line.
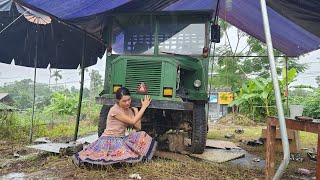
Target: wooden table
[(272, 123)]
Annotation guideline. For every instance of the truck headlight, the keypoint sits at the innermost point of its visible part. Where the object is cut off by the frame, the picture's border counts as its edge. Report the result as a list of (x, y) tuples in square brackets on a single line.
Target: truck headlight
[(167, 92), (197, 83), (116, 87)]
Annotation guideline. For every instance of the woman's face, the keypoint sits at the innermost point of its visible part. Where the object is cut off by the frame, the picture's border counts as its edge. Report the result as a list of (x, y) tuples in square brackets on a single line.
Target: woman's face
[(125, 102)]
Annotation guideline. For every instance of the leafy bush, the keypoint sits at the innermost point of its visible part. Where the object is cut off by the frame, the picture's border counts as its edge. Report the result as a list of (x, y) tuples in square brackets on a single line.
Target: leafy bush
[(10, 127), (311, 103), (63, 104), (256, 96)]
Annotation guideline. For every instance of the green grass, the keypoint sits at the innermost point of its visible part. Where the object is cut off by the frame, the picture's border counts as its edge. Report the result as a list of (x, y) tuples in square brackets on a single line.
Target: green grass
[(250, 132), (67, 129), (308, 140), (155, 169)]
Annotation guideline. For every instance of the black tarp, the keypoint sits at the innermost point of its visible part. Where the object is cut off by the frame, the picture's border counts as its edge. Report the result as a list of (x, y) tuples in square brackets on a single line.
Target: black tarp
[(59, 44), (305, 13)]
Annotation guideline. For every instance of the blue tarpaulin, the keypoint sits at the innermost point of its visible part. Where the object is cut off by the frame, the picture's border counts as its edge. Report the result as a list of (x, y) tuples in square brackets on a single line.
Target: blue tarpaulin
[(295, 24)]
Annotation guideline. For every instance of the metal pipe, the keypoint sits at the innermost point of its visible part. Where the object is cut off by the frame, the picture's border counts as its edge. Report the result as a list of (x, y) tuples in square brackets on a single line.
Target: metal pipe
[(282, 123), (287, 89)]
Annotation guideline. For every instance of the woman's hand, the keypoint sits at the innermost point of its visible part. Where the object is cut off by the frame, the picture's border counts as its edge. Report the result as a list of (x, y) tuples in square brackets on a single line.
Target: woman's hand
[(146, 101)]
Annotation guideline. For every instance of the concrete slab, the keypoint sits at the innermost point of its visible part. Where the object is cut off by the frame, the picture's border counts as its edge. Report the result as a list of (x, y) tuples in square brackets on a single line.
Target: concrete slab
[(42, 140), (219, 155), (57, 147), (221, 144), (215, 144), (51, 147), (88, 139)]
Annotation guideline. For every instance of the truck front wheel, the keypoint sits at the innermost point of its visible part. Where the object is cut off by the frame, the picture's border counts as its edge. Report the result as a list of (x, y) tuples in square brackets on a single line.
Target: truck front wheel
[(103, 119), (199, 128)]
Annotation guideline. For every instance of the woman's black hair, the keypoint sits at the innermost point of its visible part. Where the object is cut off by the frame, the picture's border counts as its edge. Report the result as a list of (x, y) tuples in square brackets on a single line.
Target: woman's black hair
[(123, 91)]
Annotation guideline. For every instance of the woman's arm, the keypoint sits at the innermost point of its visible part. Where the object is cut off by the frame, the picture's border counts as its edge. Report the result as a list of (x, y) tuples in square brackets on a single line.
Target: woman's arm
[(137, 125), (126, 119)]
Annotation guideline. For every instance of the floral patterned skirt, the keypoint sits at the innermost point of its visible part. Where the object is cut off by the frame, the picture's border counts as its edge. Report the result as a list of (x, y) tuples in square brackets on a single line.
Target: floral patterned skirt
[(135, 147)]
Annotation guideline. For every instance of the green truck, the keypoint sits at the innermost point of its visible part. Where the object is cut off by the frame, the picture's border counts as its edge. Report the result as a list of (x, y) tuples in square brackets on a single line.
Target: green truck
[(166, 56)]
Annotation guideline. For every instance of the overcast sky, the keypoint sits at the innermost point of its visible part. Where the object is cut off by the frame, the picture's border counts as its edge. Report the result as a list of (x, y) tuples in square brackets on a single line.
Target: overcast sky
[(10, 72)]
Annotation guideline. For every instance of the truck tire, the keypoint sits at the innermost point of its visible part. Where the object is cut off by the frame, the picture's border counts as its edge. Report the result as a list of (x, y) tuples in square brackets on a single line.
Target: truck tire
[(103, 119), (199, 128)]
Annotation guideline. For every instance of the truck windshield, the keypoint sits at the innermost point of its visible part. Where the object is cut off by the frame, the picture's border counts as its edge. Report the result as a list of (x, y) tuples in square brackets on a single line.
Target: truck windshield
[(134, 35), (188, 41)]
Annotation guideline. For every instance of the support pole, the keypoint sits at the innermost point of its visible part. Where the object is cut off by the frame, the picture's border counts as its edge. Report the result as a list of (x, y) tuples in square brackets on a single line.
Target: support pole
[(282, 123), (33, 103), (34, 88), (81, 91)]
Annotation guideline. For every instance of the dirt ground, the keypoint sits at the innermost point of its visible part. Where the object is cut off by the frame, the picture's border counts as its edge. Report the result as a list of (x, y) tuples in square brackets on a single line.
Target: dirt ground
[(51, 166)]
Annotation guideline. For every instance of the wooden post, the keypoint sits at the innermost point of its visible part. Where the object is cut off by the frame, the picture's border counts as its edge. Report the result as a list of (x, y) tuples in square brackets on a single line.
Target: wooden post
[(270, 144), (318, 158), (82, 66)]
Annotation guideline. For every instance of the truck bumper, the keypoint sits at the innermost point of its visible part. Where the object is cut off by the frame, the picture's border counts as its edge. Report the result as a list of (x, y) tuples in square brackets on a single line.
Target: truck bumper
[(155, 104)]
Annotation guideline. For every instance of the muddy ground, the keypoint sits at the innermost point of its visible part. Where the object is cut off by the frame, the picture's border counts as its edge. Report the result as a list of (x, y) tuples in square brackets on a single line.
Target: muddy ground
[(50, 166), (33, 164)]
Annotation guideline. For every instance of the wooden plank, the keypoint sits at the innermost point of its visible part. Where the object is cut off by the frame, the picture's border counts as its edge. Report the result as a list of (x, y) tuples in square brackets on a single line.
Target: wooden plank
[(292, 137), (312, 127), (270, 151), (290, 133), (307, 126)]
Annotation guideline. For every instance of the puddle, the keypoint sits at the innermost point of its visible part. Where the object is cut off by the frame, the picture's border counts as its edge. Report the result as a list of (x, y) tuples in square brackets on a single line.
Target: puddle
[(14, 175), (248, 161)]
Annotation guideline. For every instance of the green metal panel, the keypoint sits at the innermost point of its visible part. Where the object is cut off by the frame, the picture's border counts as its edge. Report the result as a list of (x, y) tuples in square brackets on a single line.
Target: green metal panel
[(200, 71), (118, 73), (158, 72), (169, 77), (146, 71)]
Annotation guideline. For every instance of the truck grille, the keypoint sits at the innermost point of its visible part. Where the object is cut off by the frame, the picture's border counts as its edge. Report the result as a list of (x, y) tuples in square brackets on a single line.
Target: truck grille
[(148, 72)]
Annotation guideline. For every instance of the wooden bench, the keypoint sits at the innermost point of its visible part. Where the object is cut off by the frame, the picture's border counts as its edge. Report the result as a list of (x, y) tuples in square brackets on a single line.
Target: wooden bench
[(272, 123)]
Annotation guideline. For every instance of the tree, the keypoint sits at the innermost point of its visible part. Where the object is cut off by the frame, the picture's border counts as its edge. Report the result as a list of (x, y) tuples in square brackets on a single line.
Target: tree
[(22, 93), (62, 104), (318, 80), (96, 83), (256, 95), (232, 70), (259, 66), (56, 74)]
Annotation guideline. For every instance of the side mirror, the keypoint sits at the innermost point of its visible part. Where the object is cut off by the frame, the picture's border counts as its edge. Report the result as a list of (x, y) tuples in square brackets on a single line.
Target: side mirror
[(215, 33)]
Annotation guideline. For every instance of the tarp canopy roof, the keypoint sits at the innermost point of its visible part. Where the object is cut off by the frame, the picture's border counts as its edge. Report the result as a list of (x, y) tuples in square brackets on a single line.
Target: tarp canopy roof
[(295, 26)]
